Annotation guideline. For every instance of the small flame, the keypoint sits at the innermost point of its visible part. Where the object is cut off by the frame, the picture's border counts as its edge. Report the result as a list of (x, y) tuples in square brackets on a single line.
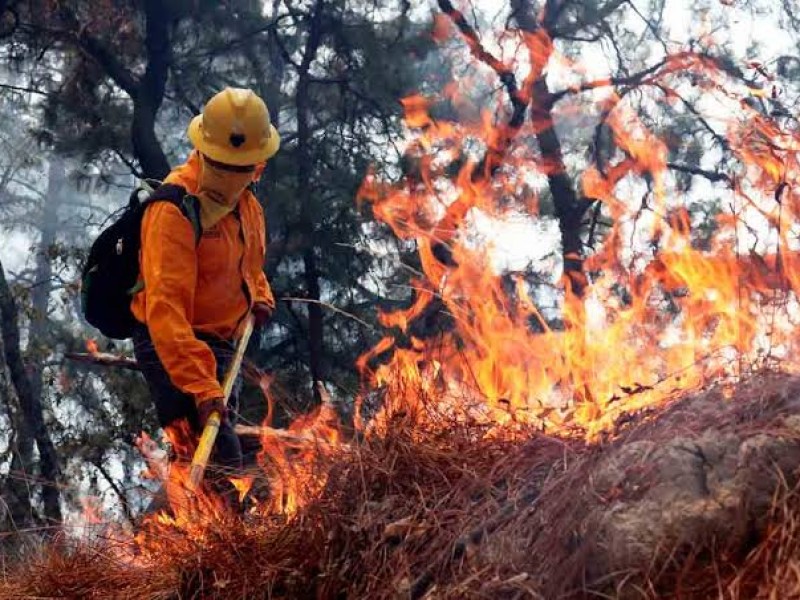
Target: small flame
[(91, 346), (243, 485), (92, 513), (295, 460), (155, 457)]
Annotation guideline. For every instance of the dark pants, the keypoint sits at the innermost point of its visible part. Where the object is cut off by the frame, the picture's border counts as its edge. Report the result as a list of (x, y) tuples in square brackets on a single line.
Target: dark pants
[(172, 404)]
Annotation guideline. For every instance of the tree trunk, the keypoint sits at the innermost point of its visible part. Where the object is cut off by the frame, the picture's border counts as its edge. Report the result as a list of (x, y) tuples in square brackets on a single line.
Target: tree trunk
[(30, 403), (150, 93), (268, 77), (570, 209), (38, 343), (18, 483), (311, 272)]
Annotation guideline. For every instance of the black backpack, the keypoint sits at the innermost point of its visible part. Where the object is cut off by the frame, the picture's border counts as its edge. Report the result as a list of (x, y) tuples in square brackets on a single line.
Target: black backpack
[(110, 277)]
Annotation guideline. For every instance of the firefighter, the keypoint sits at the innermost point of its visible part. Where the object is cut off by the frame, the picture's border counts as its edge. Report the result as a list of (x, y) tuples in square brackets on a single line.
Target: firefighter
[(197, 292)]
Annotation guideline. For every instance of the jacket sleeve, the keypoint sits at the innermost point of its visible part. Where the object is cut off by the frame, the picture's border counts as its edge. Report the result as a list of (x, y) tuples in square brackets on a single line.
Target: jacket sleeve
[(263, 290), (169, 270)]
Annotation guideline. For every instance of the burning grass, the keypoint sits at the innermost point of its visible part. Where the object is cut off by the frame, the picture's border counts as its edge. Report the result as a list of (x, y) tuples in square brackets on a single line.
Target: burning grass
[(697, 499)]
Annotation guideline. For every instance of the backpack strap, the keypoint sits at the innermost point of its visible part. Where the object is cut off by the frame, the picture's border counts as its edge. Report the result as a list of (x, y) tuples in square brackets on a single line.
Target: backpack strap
[(188, 204)]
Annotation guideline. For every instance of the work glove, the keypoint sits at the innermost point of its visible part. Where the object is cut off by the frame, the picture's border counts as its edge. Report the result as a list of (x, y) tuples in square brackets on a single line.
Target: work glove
[(262, 313), (206, 407)]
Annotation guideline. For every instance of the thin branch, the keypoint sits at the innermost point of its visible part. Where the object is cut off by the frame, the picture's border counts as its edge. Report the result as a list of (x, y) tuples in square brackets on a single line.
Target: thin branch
[(128, 163), (329, 306), (493, 158), (649, 24), (519, 100), (473, 41), (577, 38), (123, 498), (285, 53), (109, 62), (637, 78), (713, 176), (691, 108), (103, 359), (29, 90)]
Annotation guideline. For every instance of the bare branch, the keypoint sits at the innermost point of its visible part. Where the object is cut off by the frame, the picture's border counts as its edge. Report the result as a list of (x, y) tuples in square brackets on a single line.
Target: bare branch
[(27, 90), (638, 78), (98, 52), (123, 498), (103, 359), (714, 176), (519, 99)]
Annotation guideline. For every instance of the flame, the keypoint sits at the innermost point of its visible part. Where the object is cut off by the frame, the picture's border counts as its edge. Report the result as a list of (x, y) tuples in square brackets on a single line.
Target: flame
[(91, 346), (295, 461), (155, 457), (661, 315), (243, 485), (91, 513)]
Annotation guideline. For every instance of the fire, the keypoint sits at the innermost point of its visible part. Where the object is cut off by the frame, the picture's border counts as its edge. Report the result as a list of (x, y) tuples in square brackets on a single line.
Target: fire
[(91, 346), (660, 314), (653, 312), (295, 461), (92, 513)]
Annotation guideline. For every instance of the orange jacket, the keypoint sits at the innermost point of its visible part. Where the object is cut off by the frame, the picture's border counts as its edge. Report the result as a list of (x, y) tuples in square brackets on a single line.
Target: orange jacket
[(209, 288)]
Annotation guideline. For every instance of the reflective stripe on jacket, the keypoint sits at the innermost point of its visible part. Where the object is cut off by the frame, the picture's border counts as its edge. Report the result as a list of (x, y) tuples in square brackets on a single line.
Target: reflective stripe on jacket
[(209, 288)]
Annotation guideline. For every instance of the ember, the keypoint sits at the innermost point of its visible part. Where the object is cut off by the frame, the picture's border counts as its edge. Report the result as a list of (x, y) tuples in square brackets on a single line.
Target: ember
[(91, 346)]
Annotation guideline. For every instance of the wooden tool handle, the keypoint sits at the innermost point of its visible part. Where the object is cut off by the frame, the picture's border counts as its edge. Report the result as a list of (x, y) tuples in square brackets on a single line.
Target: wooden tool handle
[(209, 436)]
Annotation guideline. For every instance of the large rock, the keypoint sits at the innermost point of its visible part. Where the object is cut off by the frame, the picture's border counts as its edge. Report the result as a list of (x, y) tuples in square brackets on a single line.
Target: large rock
[(704, 475)]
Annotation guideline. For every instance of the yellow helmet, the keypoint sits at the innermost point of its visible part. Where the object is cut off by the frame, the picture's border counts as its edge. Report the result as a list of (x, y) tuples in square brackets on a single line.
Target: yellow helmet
[(235, 129)]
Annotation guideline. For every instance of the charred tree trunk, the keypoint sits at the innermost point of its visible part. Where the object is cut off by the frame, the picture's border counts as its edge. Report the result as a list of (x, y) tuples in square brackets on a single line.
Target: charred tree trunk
[(311, 270), (30, 404), (570, 209)]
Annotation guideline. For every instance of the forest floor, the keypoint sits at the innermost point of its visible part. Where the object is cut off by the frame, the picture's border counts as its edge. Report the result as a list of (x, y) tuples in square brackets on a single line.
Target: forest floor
[(696, 499)]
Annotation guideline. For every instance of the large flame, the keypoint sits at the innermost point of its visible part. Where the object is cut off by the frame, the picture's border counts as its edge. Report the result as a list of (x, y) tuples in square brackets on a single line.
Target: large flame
[(661, 314)]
